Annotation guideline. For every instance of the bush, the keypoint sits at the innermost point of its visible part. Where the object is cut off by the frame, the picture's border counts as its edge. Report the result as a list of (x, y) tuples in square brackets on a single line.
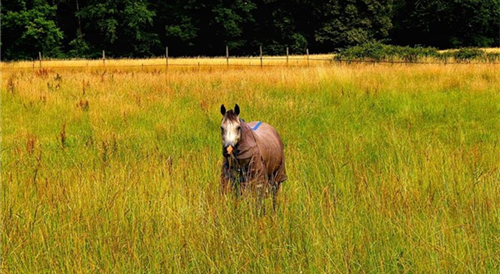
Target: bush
[(468, 54), (376, 51), (493, 56), (373, 51)]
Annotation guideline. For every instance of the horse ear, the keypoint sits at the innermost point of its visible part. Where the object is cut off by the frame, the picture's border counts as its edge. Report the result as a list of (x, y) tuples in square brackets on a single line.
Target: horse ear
[(223, 110), (237, 109)]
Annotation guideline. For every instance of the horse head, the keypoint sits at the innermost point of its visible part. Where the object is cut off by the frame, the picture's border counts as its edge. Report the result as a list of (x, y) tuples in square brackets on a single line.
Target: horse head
[(230, 129)]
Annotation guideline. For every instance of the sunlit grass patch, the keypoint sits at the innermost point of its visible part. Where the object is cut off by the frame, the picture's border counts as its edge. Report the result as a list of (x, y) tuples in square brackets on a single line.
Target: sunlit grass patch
[(391, 168)]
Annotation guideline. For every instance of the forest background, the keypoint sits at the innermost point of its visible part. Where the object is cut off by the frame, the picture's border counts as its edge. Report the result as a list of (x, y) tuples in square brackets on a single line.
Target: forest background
[(142, 28)]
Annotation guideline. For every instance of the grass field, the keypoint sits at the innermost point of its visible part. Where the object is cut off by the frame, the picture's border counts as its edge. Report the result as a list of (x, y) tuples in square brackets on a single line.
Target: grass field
[(390, 169), (293, 60)]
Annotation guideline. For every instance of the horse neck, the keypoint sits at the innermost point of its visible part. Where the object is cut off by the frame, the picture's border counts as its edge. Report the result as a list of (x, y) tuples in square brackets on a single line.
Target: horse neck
[(246, 131), (245, 139)]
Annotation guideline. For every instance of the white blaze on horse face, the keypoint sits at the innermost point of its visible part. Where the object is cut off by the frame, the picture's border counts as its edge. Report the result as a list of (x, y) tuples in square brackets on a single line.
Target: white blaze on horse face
[(231, 132)]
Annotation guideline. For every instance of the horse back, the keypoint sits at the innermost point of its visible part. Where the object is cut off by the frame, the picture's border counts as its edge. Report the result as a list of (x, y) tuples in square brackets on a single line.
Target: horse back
[(271, 150)]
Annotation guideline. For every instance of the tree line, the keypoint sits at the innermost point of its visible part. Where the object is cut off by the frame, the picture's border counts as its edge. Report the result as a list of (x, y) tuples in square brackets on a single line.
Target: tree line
[(142, 28)]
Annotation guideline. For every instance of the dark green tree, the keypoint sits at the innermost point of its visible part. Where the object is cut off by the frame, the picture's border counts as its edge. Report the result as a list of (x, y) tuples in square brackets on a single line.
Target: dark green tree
[(69, 21), (446, 24), (322, 25), (352, 22), (122, 28), (206, 27), (29, 27), (283, 24)]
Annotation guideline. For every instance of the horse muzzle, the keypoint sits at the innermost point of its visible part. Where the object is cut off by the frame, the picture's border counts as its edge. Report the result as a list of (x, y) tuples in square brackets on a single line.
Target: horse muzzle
[(228, 150)]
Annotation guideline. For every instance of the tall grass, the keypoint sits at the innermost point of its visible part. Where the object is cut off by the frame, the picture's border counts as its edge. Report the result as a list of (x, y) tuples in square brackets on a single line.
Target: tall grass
[(391, 169), (161, 63)]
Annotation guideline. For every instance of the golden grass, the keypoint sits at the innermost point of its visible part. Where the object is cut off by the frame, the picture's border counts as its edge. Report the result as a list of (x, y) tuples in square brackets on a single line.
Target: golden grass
[(392, 168), (485, 49), (294, 60)]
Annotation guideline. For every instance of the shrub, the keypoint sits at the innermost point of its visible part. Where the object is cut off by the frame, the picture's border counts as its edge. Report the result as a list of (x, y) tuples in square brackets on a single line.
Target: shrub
[(377, 51), (468, 54), (493, 56)]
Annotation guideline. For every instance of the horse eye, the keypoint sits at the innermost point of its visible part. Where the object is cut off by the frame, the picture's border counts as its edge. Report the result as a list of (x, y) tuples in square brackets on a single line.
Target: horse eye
[(239, 128)]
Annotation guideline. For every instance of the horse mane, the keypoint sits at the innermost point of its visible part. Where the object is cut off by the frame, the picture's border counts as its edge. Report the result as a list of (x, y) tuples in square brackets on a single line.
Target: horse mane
[(231, 116)]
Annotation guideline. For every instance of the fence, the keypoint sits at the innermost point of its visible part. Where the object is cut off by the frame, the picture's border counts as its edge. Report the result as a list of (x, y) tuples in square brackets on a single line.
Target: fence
[(167, 61)]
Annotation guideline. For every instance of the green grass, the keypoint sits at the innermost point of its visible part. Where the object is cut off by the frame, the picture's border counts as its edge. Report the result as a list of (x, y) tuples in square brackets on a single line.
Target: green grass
[(391, 169)]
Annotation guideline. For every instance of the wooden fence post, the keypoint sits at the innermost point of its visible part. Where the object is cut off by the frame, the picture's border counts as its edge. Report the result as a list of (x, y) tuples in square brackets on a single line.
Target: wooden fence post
[(287, 56), (103, 58), (40, 58), (261, 56), (166, 56), (307, 53), (227, 56)]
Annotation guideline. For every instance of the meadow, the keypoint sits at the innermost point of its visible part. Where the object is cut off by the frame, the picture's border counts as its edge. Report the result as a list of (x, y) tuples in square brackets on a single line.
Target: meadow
[(391, 168)]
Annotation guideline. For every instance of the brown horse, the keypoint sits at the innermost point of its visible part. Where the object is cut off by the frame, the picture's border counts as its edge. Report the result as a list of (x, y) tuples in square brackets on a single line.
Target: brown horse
[(253, 155)]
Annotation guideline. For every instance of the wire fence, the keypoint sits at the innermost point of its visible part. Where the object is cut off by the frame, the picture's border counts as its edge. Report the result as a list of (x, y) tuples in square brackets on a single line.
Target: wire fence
[(167, 61)]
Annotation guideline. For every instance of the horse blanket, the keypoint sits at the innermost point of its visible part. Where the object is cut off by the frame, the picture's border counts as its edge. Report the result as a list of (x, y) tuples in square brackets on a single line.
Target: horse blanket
[(258, 159)]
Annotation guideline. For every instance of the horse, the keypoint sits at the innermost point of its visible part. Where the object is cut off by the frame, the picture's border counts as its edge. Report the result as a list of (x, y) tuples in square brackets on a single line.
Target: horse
[(253, 156)]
